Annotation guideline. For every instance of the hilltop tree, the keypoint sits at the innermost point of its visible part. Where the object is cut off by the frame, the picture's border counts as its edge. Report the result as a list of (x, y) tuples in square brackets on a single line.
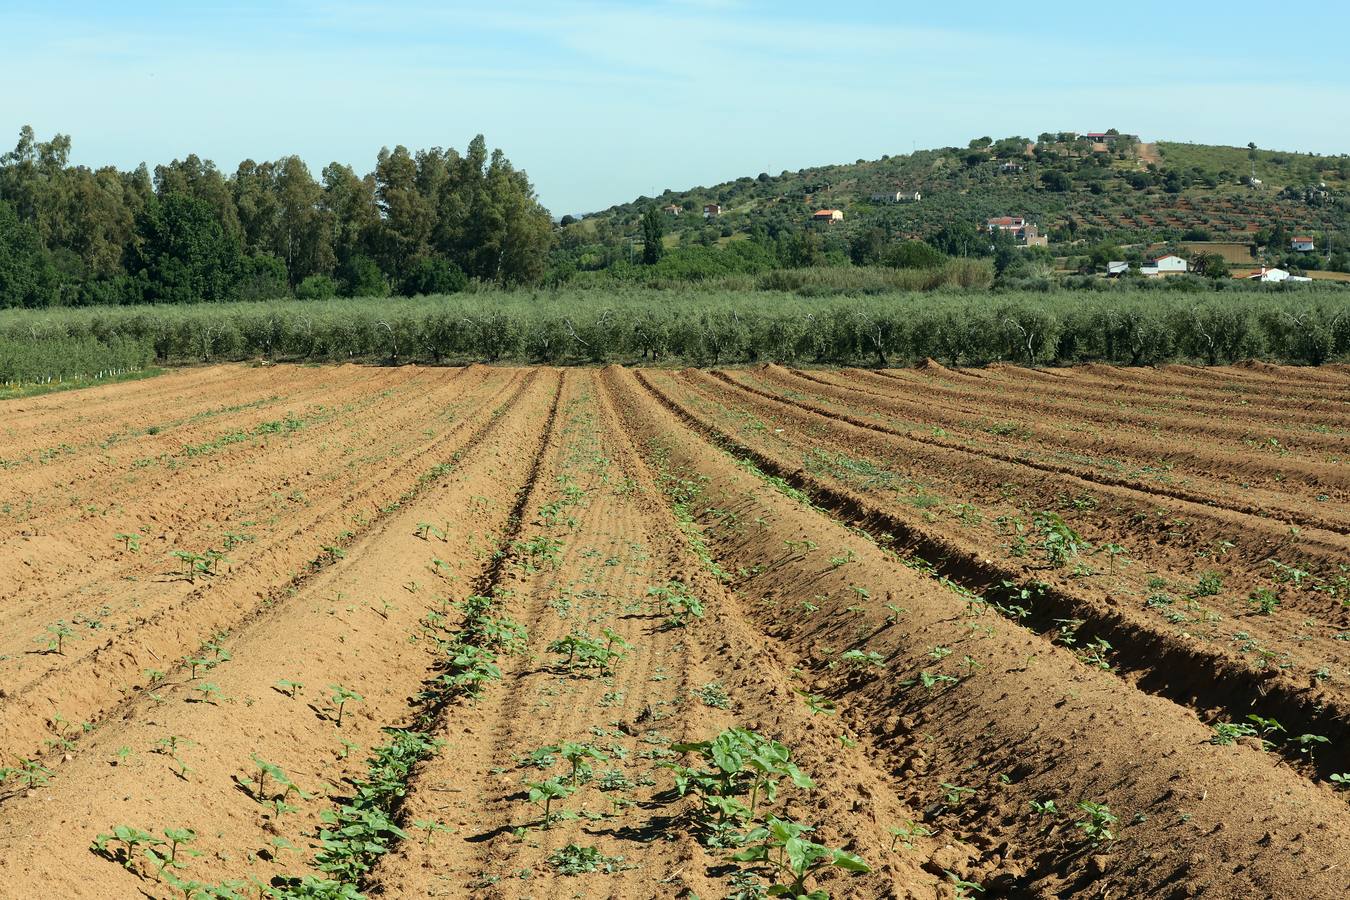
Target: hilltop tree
[(653, 229)]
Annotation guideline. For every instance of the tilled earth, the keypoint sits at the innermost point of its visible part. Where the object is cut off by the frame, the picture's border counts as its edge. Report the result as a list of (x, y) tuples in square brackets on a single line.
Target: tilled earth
[(453, 633)]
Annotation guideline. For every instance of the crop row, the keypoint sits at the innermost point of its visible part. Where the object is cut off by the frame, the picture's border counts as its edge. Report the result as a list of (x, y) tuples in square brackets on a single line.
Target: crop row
[(1134, 327)]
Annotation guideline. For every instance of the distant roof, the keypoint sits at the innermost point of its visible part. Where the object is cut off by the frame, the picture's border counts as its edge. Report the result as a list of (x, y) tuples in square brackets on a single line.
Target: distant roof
[(825, 212), (1005, 220), (1301, 239), (1164, 256)]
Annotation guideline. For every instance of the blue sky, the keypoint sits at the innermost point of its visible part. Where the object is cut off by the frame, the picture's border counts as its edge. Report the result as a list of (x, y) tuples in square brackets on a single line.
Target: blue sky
[(603, 101)]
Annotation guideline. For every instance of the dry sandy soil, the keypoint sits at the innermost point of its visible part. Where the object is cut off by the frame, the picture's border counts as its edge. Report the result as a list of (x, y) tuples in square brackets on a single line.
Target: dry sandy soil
[(1071, 633)]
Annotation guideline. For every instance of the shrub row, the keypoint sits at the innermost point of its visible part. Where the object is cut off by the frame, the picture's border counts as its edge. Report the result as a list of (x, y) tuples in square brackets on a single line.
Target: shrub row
[(697, 328)]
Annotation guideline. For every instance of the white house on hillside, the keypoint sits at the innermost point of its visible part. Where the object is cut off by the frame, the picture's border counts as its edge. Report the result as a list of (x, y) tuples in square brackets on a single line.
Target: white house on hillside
[(1276, 275), (897, 197), (1169, 264), (1117, 267), (1302, 244)]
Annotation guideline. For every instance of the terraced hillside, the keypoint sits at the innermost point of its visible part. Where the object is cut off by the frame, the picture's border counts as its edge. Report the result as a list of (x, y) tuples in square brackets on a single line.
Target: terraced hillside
[(507, 632)]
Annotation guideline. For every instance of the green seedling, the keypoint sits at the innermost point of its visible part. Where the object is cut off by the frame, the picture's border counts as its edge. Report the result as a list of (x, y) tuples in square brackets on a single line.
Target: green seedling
[(234, 539), (843, 559), (739, 762), (468, 669), (1059, 543), (545, 792), (1308, 742), (781, 844), (585, 652), (818, 703), (130, 839), (1209, 584), (677, 598), (1044, 807), (426, 529), (131, 541), (55, 637), (578, 756), (960, 887), (168, 746), (536, 551), (1267, 729), (905, 834), (30, 773), (576, 860), (264, 770), (209, 693), (860, 659), (1097, 826), (195, 564), (176, 840), (341, 697), (954, 794), (1264, 600), (931, 681), (712, 695), (1114, 552), (430, 826), (289, 688)]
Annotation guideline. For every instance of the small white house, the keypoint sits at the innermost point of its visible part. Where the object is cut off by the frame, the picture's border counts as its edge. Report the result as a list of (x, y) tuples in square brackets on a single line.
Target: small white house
[(1275, 275), (1302, 244), (712, 209), (1264, 274), (1117, 267), (1170, 264)]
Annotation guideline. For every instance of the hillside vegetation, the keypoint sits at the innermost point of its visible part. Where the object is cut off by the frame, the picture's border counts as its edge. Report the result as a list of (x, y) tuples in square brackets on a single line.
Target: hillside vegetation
[(1122, 193)]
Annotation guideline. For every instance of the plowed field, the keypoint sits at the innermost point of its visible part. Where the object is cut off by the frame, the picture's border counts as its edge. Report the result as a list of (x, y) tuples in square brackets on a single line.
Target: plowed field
[(308, 632)]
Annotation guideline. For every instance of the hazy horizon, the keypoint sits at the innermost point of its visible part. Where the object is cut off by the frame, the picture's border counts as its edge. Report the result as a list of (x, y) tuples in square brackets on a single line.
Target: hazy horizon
[(603, 102)]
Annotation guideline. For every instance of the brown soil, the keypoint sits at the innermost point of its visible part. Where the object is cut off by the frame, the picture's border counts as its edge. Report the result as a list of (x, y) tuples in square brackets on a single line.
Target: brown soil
[(877, 595)]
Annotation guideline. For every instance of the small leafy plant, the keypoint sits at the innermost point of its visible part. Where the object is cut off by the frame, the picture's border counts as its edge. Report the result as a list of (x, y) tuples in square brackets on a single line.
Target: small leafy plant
[(341, 697), (1097, 826), (781, 844), (122, 843), (55, 637)]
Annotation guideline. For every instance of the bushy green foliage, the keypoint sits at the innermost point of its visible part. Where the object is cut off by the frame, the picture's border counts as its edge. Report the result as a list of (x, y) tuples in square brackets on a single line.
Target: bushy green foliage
[(1130, 326)]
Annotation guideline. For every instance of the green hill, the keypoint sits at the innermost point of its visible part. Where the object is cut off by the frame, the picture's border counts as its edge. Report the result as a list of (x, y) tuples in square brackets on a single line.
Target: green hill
[(1122, 192)]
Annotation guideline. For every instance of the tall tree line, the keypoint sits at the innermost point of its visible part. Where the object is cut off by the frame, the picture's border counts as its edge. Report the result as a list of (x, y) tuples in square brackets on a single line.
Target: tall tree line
[(423, 221)]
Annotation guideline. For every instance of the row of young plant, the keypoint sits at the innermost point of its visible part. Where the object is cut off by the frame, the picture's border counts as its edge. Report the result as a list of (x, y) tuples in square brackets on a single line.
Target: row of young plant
[(364, 826), (699, 328), (1040, 606), (1095, 821), (738, 774), (31, 772)]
